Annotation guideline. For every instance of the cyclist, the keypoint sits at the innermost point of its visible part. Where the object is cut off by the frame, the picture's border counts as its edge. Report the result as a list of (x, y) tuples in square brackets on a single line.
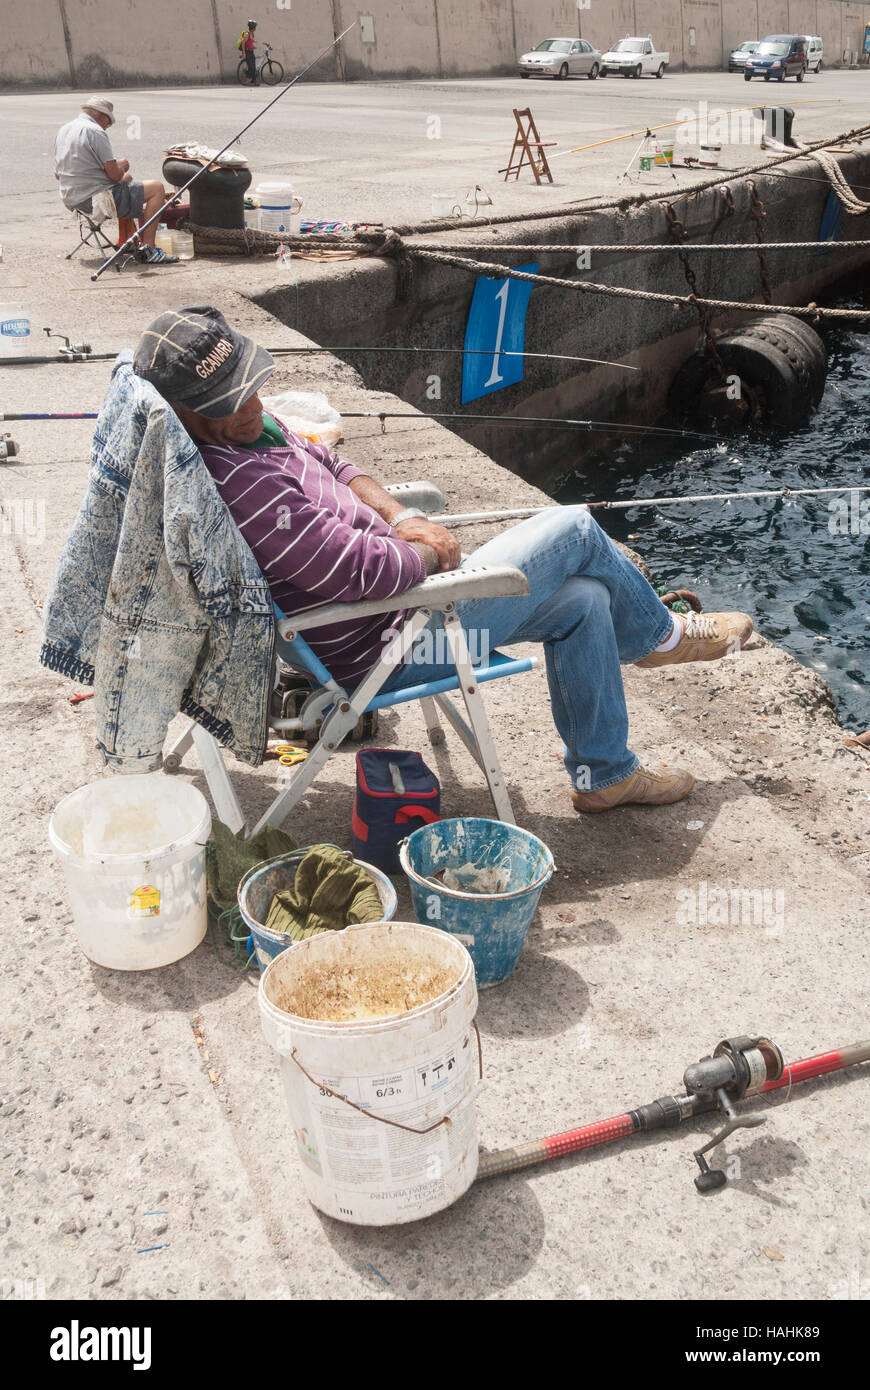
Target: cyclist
[(248, 45)]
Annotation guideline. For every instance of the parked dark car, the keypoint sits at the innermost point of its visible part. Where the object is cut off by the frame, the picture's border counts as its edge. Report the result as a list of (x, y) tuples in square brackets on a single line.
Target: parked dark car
[(779, 56), (738, 56)]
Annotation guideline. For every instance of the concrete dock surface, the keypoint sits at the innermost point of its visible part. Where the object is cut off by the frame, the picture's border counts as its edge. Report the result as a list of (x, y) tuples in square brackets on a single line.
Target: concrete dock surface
[(145, 1110)]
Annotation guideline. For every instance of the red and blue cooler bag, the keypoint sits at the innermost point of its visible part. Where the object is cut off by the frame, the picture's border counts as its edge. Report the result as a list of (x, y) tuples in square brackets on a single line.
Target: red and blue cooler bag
[(395, 794)]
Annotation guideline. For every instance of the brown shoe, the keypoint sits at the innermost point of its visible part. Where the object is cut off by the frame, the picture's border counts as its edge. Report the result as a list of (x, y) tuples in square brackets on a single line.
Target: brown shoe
[(706, 637), (643, 788)]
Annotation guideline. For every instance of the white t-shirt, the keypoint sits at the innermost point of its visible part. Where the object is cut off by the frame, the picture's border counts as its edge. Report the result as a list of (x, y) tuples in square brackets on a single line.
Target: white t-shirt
[(81, 148)]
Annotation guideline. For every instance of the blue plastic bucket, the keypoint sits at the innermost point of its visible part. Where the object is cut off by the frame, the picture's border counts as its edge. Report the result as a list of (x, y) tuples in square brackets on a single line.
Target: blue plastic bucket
[(493, 925), (263, 881)]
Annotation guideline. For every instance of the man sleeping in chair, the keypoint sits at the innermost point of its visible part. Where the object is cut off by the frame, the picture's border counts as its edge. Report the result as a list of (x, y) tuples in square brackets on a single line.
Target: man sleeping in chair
[(322, 530)]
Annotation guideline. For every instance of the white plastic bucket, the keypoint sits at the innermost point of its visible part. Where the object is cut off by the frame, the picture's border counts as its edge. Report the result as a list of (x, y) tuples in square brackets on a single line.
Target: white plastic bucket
[(279, 208), (444, 205), (133, 856), (14, 330), (415, 1068)]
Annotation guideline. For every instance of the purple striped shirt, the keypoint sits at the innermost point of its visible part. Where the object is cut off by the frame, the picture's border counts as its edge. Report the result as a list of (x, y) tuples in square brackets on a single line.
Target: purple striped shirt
[(316, 541)]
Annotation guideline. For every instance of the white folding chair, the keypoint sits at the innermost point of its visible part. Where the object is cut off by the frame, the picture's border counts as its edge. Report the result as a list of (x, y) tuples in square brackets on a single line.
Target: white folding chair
[(330, 713), (90, 225)]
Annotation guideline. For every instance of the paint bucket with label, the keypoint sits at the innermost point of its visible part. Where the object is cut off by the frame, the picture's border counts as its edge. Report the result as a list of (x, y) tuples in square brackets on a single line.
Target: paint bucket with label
[(496, 874), (666, 155), (381, 1087), (133, 856), (14, 330), (278, 208)]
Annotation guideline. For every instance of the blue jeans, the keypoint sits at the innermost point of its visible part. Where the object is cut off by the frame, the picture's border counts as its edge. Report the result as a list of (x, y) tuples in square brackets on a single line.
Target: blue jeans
[(590, 607)]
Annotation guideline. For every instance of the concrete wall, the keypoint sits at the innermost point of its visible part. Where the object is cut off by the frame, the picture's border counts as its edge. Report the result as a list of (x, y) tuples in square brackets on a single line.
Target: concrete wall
[(359, 304), (104, 43)]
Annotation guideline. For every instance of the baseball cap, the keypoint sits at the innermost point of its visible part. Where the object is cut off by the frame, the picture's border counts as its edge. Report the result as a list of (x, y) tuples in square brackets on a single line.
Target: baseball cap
[(192, 356), (101, 104)]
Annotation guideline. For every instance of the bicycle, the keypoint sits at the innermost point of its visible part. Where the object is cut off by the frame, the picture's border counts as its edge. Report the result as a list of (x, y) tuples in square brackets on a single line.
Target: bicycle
[(268, 69)]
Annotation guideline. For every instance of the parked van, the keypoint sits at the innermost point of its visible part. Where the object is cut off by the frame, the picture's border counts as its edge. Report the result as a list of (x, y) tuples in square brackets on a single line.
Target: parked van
[(779, 56), (815, 53)]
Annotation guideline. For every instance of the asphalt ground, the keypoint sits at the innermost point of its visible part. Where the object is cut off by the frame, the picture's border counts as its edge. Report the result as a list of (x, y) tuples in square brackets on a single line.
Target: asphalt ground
[(378, 151)]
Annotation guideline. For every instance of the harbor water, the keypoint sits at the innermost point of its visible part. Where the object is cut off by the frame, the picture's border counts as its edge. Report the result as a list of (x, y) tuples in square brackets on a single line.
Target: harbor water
[(799, 565)]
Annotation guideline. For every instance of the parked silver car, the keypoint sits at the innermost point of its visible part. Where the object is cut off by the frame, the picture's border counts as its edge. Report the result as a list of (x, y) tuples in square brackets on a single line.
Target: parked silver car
[(738, 56), (561, 58)]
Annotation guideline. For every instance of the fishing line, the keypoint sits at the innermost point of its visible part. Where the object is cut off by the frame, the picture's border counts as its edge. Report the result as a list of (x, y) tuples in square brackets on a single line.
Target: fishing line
[(134, 239)]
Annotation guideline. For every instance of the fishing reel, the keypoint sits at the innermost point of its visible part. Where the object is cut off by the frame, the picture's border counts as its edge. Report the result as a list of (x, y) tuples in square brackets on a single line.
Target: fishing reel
[(70, 352), (739, 1067), (8, 447)]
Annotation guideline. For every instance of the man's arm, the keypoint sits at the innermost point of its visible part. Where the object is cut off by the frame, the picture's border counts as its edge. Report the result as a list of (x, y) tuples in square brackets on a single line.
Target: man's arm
[(436, 546), (116, 172), (427, 535)]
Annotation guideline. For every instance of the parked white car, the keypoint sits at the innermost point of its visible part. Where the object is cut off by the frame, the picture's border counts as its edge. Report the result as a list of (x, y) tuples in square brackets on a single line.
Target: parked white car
[(634, 56), (815, 53)]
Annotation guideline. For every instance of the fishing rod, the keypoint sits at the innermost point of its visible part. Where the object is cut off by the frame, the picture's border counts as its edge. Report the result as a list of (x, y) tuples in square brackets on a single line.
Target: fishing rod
[(539, 420), (384, 415), (738, 1069), (133, 241), (517, 513), (88, 356), (688, 120)]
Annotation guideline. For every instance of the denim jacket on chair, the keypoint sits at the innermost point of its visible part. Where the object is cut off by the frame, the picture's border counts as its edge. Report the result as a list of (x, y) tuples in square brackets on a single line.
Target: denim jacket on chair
[(157, 601)]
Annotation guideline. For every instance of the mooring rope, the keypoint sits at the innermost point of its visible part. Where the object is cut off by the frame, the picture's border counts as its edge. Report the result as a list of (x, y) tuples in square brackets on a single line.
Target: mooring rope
[(495, 271), (839, 184), (389, 243), (572, 248)]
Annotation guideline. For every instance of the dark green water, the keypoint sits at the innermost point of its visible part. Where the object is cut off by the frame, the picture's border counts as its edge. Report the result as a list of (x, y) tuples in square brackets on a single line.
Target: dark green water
[(806, 585)]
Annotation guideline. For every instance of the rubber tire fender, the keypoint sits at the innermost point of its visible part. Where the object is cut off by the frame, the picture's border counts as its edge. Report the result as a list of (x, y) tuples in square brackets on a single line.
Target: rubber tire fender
[(758, 362), (809, 369), (804, 333)]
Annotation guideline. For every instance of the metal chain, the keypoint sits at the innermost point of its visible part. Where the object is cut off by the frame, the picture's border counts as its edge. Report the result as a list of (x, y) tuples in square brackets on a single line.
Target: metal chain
[(759, 214), (677, 234)]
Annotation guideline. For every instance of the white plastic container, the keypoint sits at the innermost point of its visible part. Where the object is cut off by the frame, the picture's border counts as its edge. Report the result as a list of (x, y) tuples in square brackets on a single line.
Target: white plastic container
[(14, 330), (163, 239), (133, 856), (278, 209), (444, 205), (182, 245), (415, 1068)]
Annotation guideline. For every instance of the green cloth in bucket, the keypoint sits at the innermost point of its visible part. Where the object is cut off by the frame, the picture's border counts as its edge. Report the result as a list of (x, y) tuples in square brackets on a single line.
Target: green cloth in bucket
[(228, 859), (329, 893)]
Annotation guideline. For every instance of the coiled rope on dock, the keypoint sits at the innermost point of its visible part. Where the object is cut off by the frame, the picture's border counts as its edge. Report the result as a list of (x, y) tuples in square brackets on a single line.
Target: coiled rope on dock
[(849, 199)]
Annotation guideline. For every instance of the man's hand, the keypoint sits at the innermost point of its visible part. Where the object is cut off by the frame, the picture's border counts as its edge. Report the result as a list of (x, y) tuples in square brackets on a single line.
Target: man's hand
[(438, 538), (123, 164)]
